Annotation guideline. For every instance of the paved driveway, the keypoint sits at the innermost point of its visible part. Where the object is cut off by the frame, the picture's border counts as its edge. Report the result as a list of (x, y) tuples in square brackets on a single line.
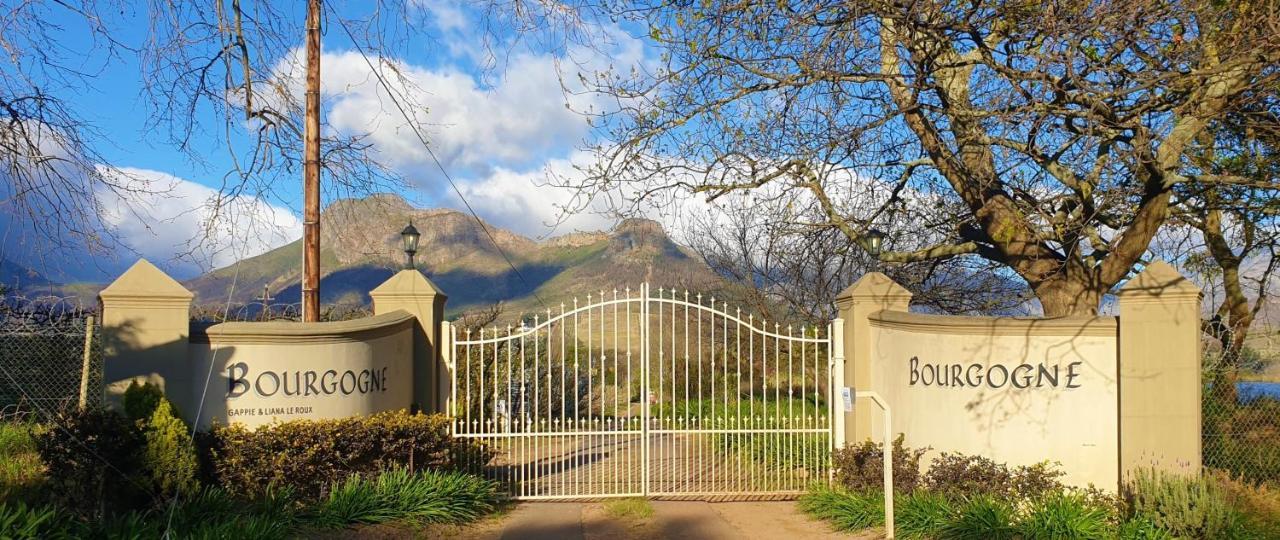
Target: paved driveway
[(671, 519)]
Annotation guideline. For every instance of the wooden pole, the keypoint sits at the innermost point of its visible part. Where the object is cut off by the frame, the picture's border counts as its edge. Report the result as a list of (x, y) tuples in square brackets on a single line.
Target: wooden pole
[(88, 358), (311, 172)]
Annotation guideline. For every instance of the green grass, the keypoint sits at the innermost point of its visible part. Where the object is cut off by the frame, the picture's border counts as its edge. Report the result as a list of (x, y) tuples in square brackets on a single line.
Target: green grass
[(20, 467), (847, 511), (402, 496), (922, 514), (630, 508), (926, 515), (1065, 515), (394, 496)]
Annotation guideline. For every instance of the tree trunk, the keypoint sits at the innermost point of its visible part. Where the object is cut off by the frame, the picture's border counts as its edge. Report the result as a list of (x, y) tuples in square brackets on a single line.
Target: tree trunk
[(1065, 296)]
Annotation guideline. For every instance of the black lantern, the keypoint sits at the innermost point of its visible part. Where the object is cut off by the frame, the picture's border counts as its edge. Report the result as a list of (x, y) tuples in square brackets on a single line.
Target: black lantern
[(874, 241), (409, 237)]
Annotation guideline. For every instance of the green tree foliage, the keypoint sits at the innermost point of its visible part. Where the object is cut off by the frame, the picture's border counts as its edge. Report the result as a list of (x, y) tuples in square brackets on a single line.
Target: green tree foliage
[(141, 400)]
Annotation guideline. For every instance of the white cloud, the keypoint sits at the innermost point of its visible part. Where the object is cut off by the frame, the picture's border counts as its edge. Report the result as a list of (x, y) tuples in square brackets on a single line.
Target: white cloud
[(192, 227), (522, 202)]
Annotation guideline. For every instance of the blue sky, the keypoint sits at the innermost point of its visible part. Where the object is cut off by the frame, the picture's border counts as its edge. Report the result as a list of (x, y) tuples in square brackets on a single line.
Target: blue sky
[(500, 124)]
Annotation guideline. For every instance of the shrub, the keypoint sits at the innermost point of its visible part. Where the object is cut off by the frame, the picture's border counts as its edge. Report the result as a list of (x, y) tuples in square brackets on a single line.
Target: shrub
[(846, 510), (309, 456), (922, 514), (982, 517), (1066, 515), (1190, 507), (400, 495), (89, 454), (170, 455), (1258, 506), (860, 467), (959, 475), (140, 400)]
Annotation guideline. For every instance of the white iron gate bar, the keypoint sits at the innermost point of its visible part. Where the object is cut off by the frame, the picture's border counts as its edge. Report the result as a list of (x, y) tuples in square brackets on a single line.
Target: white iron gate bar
[(645, 394)]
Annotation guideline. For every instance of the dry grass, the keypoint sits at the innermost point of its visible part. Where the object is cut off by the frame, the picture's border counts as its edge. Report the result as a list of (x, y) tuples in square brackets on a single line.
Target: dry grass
[(20, 465), (1259, 504)]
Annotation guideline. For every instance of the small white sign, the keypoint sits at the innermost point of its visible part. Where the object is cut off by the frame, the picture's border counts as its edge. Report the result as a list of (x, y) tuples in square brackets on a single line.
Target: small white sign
[(847, 395)]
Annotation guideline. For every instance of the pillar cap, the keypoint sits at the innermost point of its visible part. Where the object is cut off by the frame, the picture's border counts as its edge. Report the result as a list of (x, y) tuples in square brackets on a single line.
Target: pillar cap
[(1158, 280), (875, 287), (144, 280), (407, 282)]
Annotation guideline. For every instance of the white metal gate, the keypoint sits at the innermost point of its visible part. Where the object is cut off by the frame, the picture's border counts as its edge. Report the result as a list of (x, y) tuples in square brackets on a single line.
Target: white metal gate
[(644, 393)]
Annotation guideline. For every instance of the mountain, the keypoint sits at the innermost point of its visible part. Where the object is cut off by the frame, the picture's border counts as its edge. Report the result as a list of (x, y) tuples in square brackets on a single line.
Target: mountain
[(360, 248), (15, 276)]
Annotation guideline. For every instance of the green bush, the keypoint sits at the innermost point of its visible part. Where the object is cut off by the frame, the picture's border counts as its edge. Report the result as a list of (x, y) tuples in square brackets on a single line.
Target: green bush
[(846, 510), (1183, 506), (400, 495), (140, 400), (92, 457), (982, 517), (170, 455), (1066, 515), (922, 514), (959, 475), (860, 467), (308, 456)]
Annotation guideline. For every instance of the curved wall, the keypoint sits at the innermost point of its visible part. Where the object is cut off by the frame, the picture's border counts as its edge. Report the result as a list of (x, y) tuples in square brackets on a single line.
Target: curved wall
[(1019, 391), (276, 371)]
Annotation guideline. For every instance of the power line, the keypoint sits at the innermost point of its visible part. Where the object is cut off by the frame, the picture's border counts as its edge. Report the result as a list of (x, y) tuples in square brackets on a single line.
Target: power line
[(413, 125)]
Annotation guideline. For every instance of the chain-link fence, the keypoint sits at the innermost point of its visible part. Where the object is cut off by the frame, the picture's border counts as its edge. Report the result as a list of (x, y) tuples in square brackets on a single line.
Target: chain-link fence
[(1241, 407), (50, 355)]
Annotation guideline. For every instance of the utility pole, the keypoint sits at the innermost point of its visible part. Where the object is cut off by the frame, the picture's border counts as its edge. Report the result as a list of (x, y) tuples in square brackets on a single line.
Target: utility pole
[(311, 172)]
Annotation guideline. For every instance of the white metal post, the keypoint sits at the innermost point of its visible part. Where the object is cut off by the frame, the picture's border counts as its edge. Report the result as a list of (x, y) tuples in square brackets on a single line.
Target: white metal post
[(888, 461), (836, 374)]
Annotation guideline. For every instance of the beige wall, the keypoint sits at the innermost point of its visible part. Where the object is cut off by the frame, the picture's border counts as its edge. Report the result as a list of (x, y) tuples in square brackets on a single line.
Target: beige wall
[(145, 320), (1066, 413), (279, 371), (1127, 393), (410, 291)]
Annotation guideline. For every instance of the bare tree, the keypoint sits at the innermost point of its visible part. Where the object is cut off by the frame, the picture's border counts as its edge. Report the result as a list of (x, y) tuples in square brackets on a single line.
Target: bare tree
[(785, 268), (1227, 234), (1052, 137)]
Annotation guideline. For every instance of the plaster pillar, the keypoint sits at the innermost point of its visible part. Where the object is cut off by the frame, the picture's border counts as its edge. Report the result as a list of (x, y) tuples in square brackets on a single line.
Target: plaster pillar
[(873, 292), (146, 319), (413, 292), (1160, 372)]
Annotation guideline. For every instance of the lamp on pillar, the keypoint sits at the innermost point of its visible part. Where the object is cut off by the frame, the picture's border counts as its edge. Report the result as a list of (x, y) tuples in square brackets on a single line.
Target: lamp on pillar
[(409, 237), (874, 242)]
